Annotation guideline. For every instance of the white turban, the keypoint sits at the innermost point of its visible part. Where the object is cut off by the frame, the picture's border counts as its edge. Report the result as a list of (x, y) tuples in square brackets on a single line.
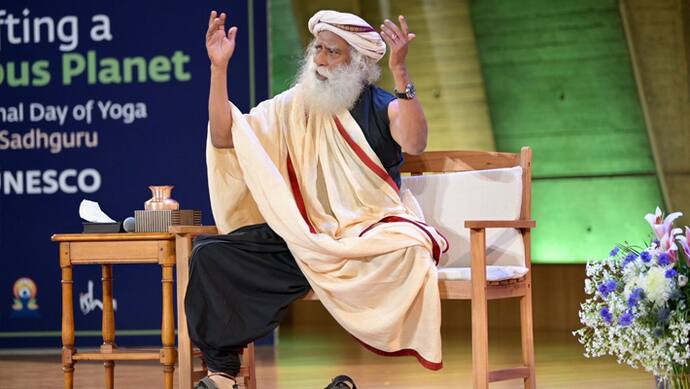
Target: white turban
[(355, 30)]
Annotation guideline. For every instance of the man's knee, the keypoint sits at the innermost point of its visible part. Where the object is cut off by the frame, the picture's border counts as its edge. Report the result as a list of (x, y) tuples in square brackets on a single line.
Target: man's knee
[(202, 255), (211, 255)]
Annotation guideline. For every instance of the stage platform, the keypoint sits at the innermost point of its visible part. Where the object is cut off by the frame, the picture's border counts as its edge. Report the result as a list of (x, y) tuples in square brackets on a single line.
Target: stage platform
[(307, 358)]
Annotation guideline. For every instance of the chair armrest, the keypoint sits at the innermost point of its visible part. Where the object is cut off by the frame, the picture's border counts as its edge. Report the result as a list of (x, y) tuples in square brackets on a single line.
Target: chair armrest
[(192, 230), (521, 224)]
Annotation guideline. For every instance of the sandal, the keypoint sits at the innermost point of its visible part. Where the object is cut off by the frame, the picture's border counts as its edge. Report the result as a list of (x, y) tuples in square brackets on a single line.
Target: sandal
[(342, 382), (208, 383)]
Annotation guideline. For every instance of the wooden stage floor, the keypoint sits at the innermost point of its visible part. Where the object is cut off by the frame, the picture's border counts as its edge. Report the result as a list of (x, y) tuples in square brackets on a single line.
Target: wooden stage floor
[(308, 358)]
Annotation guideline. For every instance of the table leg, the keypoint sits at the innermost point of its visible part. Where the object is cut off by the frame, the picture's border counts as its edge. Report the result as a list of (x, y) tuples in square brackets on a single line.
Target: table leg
[(67, 317), (168, 353), (108, 324)]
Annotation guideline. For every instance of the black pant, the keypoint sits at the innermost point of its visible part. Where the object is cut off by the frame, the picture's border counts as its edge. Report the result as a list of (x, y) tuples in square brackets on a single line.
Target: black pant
[(240, 286)]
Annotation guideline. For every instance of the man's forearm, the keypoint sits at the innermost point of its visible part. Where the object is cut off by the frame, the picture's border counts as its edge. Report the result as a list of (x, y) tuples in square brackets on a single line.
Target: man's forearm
[(411, 119), (219, 114)]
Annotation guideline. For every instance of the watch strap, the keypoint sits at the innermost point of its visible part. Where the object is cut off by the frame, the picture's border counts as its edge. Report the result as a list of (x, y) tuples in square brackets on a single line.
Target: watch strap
[(408, 94)]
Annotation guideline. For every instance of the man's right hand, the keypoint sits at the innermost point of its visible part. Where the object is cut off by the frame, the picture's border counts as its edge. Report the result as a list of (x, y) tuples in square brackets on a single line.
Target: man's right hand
[(219, 45)]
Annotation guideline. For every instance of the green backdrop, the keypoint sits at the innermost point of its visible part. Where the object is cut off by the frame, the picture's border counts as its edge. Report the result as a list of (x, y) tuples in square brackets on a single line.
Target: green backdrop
[(558, 78)]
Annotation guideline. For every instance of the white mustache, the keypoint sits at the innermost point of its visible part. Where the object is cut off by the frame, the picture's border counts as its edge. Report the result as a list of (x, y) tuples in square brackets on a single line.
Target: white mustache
[(325, 72)]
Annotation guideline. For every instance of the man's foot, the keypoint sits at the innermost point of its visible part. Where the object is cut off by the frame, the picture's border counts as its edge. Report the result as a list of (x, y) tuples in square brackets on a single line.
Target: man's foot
[(342, 382), (222, 380)]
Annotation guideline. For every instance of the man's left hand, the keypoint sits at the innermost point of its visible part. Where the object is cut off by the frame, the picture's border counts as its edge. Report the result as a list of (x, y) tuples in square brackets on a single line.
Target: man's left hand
[(398, 39)]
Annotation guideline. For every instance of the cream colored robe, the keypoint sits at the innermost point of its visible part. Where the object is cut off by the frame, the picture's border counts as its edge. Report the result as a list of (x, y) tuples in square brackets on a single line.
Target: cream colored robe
[(382, 286)]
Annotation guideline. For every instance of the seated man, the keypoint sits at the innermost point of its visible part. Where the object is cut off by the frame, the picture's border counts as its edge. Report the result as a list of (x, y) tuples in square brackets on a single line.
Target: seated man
[(306, 190)]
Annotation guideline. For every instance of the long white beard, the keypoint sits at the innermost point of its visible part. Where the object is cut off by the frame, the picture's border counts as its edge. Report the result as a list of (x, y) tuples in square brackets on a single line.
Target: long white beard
[(338, 92)]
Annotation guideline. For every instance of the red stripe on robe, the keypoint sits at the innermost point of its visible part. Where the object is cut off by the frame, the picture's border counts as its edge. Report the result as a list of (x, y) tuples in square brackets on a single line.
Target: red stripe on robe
[(294, 184), (404, 353), (386, 177), (378, 170), (435, 248)]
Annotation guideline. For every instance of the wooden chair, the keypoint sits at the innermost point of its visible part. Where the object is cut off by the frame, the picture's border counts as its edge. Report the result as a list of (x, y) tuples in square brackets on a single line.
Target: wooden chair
[(474, 286)]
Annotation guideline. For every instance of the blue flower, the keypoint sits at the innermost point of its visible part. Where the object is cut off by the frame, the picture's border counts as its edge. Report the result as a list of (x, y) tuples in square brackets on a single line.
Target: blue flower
[(635, 297), (645, 256), (638, 293), (629, 258), (671, 273), (607, 287), (663, 314), (606, 315), (664, 259), (614, 251), (626, 318), (658, 332), (611, 286), (603, 290)]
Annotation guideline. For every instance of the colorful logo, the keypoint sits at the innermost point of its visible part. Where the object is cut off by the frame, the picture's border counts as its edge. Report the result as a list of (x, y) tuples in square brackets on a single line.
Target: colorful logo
[(25, 292)]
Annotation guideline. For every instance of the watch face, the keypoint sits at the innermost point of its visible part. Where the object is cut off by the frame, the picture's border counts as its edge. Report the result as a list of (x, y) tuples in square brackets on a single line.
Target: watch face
[(410, 91)]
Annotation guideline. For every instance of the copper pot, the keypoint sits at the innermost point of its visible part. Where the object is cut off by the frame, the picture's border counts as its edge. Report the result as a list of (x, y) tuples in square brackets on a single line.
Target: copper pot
[(161, 199)]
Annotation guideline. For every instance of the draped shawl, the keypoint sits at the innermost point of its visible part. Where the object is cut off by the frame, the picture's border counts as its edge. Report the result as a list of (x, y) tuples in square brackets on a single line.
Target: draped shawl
[(315, 180)]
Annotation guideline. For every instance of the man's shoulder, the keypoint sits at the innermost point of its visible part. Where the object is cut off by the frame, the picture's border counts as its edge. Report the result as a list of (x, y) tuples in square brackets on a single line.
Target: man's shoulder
[(282, 98), (285, 95), (380, 96)]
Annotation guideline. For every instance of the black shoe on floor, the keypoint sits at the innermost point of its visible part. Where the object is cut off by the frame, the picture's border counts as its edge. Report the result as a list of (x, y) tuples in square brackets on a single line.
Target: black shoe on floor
[(342, 382)]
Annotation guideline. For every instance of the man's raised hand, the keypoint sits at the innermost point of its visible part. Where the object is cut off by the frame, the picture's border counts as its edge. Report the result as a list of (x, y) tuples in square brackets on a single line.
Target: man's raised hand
[(398, 39), (219, 44)]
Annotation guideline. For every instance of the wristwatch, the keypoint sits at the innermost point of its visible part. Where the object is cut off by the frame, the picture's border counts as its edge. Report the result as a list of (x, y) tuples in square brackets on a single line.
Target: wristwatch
[(408, 94)]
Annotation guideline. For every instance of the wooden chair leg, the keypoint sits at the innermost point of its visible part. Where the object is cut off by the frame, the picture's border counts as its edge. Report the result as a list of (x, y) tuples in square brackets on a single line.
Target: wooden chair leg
[(183, 247), (480, 316), (249, 360), (480, 344), (527, 335), (526, 318)]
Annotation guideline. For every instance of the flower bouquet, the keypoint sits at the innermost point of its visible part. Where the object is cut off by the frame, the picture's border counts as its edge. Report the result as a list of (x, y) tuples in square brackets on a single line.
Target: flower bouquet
[(637, 308)]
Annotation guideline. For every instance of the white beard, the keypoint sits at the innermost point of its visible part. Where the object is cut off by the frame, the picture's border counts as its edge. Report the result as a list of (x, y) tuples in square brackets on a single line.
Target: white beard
[(338, 92)]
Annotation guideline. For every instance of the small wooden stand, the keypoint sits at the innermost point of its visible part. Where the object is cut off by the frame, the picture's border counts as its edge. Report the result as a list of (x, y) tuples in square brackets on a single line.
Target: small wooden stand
[(107, 250)]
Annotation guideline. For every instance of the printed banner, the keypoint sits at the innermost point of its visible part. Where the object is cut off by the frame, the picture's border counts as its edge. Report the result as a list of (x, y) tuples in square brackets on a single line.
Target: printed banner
[(98, 101)]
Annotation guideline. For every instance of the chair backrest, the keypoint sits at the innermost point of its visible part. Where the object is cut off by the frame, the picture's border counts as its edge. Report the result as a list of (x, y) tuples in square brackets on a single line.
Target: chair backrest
[(473, 186)]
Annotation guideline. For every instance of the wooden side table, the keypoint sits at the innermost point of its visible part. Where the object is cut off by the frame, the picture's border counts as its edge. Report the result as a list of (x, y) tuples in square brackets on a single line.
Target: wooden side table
[(107, 250)]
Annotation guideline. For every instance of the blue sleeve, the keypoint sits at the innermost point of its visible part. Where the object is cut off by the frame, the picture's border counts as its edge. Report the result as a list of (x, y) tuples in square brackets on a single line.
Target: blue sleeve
[(381, 99)]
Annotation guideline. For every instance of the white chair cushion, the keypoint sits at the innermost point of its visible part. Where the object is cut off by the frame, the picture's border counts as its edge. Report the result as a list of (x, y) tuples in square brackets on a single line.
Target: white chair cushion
[(493, 273), (448, 199)]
